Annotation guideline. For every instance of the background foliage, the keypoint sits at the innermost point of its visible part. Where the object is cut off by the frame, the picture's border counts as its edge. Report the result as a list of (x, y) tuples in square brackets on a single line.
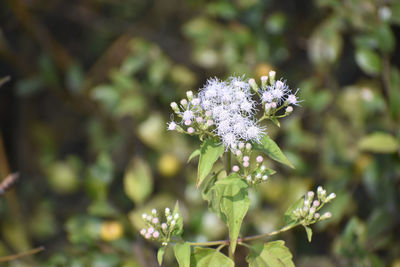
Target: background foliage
[(83, 120)]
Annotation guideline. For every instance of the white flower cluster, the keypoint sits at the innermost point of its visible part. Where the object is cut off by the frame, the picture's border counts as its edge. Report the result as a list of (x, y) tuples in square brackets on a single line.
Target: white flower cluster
[(230, 105), (227, 109), (160, 231), (308, 214)]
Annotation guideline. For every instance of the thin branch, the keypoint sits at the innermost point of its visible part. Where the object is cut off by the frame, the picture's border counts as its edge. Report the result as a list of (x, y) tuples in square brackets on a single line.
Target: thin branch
[(23, 254), (241, 240)]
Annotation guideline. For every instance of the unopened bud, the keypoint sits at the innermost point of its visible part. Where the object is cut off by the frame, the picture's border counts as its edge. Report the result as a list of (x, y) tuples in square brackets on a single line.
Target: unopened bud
[(241, 145), (174, 106), (289, 109), (273, 105), (272, 76), (248, 146), (246, 164), (259, 159), (246, 158), (253, 85), (156, 234), (235, 168), (189, 95), (173, 222), (264, 80), (190, 130), (184, 102), (265, 177), (248, 178), (330, 197)]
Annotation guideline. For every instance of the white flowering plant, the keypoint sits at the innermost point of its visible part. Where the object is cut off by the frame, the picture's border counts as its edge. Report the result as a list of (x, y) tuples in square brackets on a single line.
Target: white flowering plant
[(229, 117)]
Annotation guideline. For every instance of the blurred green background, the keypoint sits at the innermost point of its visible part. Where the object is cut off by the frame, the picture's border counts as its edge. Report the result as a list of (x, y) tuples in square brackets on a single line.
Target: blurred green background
[(83, 120)]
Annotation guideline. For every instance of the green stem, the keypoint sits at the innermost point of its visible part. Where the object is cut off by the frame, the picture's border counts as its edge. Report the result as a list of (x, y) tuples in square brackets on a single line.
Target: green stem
[(241, 240), (284, 229), (228, 163), (211, 243)]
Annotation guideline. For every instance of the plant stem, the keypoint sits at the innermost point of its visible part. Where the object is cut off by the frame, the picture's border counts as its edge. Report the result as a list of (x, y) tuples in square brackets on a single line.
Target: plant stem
[(284, 229), (241, 240), (20, 255), (211, 243), (228, 163)]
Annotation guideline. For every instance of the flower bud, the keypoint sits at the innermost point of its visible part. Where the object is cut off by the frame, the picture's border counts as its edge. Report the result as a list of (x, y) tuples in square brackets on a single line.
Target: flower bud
[(154, 220), (176, 216), (143, 231), (173, 222), (246, 164), (154, 211), (150, 230), (330, 197), (199, 119), (248, 146), (248, 178), (272, 76), (264, 80), (273, 105), (253, 85), (190, 130), (156, 234), (167, 210), (259, 159), (262, 168), (238, 153), (147, 236), (144, 216), (164, 226), (289, 109), (189, 95), (184, 102), (326, 215), (316, 215), (265, 177), (174, 106), (316, 203), (241, 145), (246, 158), (235, 168)]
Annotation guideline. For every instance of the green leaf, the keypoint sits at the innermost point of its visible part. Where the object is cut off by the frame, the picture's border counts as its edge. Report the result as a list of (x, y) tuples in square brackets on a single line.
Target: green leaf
[(369, 61), (379, 142), (138, 181), (275, 121), (234, 203), (271, 149), (182, 254), (208, 257), (309, 232), (160, 255), (179, 222), (272, 254), (289, 217), (193, 155), (209, 154)]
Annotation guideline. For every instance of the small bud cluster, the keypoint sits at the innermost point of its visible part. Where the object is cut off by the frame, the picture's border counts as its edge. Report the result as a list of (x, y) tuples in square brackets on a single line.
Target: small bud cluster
[(160, 231), (275, 95), (227, 109), (308, 214), (254, 174)]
